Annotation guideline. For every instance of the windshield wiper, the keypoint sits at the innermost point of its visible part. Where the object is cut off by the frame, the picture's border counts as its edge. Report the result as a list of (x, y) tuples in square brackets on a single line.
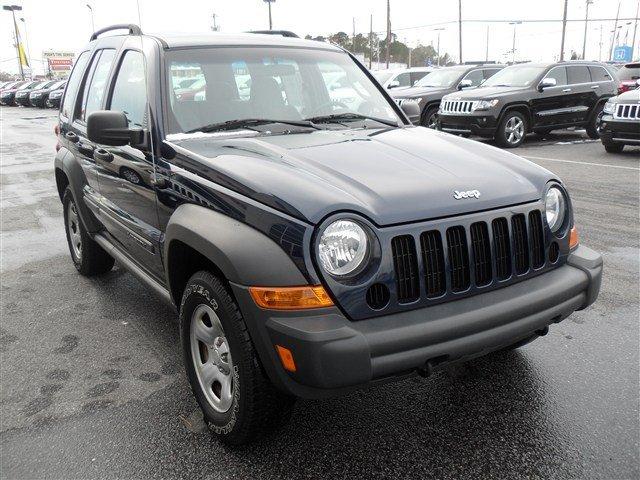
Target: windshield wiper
[(247, 123), (338, 117)]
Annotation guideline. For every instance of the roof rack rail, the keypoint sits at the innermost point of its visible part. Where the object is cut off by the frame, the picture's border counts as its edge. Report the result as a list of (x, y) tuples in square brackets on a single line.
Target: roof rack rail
[(283, 33), (133, 30)]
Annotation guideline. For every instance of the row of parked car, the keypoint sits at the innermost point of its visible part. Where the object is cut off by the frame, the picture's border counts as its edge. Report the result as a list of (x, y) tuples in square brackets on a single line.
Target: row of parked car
[(507, 103), (32, 93)]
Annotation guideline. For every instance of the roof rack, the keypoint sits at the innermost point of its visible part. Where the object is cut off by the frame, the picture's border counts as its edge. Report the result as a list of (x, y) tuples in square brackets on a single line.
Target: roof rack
[(282, 33), (133, 30)]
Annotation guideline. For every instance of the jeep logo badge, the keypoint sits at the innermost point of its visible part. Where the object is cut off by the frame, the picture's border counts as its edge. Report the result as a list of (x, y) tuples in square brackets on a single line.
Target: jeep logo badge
[(468, 194)]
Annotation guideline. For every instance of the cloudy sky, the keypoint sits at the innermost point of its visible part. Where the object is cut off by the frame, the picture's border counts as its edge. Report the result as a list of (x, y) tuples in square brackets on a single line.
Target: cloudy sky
[(66, 24)]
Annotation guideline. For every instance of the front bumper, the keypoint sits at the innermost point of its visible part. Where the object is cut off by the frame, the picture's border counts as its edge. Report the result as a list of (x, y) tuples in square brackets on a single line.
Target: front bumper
[(334, 355), (8, 99), (482, 125), (618, 131), (23, 100)]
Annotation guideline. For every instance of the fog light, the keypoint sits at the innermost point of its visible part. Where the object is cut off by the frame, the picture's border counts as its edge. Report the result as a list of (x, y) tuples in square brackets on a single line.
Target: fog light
[(286, 358)]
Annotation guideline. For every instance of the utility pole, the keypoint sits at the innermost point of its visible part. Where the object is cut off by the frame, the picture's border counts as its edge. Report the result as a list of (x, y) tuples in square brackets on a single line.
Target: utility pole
[(388, 30), (460, 29), (586, 22), (215, 27), (564, 30), (513, 48), (635, 28), (438, 45), (486, 55), (269, 2), (600, 45), (370, 40), (613, 33)]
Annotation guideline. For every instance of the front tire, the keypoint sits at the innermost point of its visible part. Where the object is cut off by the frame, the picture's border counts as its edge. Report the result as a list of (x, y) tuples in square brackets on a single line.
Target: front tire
[(88, 257), (237, 399), (512, 130), (613, 147), (592, 126), (430, 118)]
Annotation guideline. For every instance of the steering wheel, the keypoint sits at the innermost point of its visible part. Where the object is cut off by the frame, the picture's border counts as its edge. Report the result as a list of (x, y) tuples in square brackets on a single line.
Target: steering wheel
[(331, 104)]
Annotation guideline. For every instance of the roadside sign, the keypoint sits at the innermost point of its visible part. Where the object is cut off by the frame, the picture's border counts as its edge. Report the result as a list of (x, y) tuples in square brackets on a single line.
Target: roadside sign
[(58, 63), (622, 54)]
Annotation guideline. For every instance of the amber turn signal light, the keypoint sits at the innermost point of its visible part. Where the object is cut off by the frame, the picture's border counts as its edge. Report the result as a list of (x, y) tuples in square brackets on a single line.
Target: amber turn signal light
[(291, 298), (573, 238), (286, 358)]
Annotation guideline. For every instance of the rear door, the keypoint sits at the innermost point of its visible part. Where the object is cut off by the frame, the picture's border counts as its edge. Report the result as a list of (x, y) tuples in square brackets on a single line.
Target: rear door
[(583, 96), (127, 195)]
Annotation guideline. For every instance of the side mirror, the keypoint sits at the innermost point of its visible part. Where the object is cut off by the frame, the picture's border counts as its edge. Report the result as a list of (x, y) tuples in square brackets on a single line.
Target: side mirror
[(393, 84), (465, 84), (410, 108), (546, 83), (108, 127), (638, 82)]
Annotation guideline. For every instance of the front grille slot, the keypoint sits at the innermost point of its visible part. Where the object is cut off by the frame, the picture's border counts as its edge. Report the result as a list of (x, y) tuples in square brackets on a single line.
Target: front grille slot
[(520, 243), (433, 260), (405, 263), (481, 253), (627, 112), (456, 106), (537, 239), (502, 248), (458, 258)]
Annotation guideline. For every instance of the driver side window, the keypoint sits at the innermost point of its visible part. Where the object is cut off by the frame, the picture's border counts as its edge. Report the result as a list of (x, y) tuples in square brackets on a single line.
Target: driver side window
[(129, 92), (475, 77), (559, 74)]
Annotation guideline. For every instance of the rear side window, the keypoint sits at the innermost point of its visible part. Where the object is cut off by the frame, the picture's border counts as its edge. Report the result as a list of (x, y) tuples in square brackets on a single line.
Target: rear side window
[(404, 79), (559, 74), (576, 74), (599, 74), (94, 95), (415, 76), (490, 73), (129, 92), (73, 83)]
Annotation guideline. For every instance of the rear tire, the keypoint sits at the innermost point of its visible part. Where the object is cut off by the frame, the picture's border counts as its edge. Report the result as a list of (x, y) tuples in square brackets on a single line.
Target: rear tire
[(512, 130), (88, 257), (592, 126), (238, 401), (613, 147)]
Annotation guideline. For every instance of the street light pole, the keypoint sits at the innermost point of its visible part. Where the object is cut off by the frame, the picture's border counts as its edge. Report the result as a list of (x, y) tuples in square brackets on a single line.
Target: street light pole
[(13, 9), (635, 28), (93, 27), (26, 42), (438, 45), (613, 33), (586, 22), (486, 55), (460, 29)]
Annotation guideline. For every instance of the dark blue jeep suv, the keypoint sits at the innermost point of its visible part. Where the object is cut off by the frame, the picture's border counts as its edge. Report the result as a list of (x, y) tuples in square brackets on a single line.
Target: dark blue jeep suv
[(312, 239)]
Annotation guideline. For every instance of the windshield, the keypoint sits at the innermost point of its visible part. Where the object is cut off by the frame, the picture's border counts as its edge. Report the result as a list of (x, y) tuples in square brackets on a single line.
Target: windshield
[(445, 78), (515, 76), (279, 84), (27, 85), (382, 75), (629, 72)]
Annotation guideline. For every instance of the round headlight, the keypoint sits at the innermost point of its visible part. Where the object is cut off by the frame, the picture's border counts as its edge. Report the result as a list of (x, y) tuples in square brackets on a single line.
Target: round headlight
[(555, 208), (343, 247)]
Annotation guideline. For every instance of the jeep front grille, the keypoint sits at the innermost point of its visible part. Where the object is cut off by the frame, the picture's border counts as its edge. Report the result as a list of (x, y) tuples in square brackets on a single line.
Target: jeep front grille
[(456, 106), (484, 253), (626, 111)]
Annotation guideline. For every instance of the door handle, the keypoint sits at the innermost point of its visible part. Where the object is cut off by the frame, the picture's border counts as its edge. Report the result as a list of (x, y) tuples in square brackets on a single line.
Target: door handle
[(595, 86), (566, 90), (85, 149), (102, 155), (72, 137)]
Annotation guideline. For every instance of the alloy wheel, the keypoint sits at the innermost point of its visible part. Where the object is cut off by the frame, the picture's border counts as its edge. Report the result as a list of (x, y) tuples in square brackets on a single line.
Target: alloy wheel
[(73, 226), (514, 130), (211, 358)]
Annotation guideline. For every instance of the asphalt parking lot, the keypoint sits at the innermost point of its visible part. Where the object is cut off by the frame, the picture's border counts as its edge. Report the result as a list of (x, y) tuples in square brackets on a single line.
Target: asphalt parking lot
[(92, 383)]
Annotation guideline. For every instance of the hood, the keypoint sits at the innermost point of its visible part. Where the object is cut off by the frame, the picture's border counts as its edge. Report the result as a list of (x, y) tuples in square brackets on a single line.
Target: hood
[(630, 96), (411, 92), (486, 93), (390, 176)]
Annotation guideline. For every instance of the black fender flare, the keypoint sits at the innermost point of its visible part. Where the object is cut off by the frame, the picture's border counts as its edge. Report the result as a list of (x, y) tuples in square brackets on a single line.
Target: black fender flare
[(518, 105), (596, 105), (243, 254), (66, 162)]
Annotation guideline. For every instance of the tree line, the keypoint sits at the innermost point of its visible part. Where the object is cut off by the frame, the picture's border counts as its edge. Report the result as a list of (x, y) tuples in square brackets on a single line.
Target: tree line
[(399, 52)]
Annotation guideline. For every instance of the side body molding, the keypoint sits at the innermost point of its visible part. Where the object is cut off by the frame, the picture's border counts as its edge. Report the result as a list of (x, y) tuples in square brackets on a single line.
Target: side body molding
[(243, 254)]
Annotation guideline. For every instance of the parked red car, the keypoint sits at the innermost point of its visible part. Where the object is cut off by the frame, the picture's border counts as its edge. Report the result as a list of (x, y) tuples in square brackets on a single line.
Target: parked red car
[(628, 75)]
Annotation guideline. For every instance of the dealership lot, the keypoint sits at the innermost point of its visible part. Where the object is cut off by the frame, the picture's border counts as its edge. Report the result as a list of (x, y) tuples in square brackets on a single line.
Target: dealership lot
[(92, 380)]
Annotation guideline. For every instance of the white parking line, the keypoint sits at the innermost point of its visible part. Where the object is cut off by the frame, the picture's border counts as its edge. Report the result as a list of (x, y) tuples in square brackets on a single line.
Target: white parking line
[(581, 163)]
